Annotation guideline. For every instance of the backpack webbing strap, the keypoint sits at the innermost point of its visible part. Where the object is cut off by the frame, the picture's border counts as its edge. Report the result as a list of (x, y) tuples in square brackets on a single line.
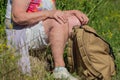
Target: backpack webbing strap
[(70, 55)]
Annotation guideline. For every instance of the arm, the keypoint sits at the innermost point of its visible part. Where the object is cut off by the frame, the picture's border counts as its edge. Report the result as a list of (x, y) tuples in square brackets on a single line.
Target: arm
[(54, 5), (20, 16)]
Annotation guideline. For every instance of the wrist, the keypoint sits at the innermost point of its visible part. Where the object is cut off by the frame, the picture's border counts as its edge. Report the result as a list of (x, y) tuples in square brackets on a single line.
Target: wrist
[(50, 14)]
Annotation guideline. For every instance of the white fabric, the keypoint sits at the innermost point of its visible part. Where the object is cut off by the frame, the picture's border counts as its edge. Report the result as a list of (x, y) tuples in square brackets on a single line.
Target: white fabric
[(62, 73), (8, 10), (47, 4), (36, 37)]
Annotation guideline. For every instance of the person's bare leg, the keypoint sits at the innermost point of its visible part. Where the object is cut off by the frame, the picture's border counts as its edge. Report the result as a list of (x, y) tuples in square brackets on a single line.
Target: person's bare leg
[(58, 35)]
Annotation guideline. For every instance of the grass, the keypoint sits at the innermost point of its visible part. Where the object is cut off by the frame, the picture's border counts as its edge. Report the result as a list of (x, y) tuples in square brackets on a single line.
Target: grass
[(104, 16)]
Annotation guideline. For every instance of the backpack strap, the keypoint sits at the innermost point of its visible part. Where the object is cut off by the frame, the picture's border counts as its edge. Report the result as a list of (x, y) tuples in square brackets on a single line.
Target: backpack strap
[(70, 63)]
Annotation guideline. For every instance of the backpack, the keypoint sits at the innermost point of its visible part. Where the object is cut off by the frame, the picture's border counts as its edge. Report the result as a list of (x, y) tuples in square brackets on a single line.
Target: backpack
[(89, 55)]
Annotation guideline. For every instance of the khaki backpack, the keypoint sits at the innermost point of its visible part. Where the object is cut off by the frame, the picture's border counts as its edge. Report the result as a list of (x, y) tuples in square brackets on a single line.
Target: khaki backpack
[(89, 55)]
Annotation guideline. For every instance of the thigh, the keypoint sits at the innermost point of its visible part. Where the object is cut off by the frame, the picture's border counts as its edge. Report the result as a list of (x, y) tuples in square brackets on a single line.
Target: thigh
[(49, 24)]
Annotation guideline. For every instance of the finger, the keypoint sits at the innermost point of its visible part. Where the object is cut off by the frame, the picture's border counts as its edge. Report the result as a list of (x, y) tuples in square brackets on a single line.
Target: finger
[(59, 20), (85, 19), (81, 19), (61, 15), (62, 19)]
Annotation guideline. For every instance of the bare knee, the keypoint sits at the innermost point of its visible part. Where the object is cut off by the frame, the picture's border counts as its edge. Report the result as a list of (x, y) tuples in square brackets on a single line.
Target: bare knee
[(73, 21), (55, 28), (53, 24)]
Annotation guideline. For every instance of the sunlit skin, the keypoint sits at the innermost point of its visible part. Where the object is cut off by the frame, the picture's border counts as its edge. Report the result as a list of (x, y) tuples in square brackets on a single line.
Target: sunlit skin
[(58, 25)]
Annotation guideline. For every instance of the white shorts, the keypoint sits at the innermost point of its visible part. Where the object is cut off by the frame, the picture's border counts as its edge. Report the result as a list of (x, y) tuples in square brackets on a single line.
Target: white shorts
[(23, 38), (36, 36)]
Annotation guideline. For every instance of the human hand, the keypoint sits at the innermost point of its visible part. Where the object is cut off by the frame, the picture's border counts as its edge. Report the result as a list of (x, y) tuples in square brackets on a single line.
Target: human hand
[(59, 16), (81, 16)]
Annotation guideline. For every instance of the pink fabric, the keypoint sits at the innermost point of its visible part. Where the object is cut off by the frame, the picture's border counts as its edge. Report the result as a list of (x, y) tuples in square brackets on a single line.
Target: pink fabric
[(34, 5), (37, 5)]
